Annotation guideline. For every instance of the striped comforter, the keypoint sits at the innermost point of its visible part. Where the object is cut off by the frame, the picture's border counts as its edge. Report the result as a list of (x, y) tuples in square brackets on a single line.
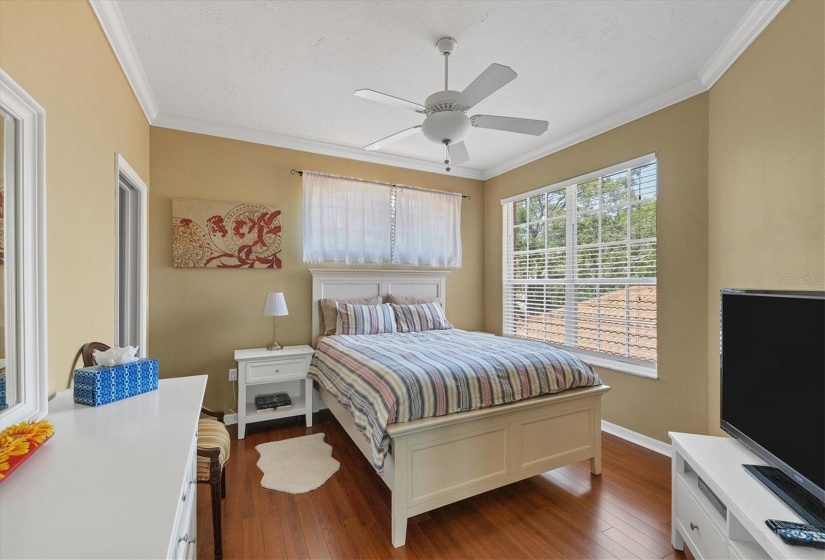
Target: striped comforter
[(398, 377)]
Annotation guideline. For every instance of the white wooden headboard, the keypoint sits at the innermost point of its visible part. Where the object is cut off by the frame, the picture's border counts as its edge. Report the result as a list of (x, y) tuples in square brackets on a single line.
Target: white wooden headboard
[(359, 283)]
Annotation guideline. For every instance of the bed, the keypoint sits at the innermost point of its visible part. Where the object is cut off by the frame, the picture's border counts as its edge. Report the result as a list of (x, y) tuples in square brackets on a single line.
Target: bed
[(496, 445)]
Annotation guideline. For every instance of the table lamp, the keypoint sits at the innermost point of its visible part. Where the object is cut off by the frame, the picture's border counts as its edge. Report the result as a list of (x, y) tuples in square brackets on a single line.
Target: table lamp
[(275, 307)]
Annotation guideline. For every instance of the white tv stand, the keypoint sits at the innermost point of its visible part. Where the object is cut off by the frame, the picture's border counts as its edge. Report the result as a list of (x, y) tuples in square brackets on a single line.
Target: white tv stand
[(741, 533)]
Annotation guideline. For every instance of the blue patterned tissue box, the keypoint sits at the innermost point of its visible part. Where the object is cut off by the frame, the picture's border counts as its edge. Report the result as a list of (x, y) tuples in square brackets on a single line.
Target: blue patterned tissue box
[(99, 385)]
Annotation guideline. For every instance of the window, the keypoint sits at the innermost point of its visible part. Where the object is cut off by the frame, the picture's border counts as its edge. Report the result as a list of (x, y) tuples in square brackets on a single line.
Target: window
[(579, 266), (353, 221)]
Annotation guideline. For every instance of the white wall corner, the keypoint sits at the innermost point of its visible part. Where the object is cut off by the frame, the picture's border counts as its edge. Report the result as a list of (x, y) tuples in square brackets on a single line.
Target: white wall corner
[(111, 21), (637, 438), (754, 22)]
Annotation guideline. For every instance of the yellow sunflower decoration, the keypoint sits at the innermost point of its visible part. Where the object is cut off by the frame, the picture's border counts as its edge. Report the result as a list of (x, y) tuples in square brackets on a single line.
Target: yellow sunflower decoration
[(14, 447), (19, 440), (4, 462), (32, 432)]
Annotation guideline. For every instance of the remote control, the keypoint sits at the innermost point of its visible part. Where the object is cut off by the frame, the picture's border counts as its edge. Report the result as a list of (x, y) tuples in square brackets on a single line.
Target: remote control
[(775, 524), (815, 539), (798, 534)]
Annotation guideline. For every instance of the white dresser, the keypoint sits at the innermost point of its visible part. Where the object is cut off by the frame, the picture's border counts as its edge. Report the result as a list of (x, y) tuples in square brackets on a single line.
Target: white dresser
[(115, 481)]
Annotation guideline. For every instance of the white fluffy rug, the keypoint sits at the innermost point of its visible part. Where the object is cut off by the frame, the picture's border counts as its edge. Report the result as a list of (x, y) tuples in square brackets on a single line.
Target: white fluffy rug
[(296, 465)]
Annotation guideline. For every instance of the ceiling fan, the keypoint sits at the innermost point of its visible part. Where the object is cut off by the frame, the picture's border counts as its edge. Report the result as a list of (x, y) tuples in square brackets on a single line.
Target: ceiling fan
[(447, 121)]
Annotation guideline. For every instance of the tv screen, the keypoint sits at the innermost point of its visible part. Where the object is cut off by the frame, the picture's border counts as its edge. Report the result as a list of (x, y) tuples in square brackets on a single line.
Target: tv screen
[(773, 379)]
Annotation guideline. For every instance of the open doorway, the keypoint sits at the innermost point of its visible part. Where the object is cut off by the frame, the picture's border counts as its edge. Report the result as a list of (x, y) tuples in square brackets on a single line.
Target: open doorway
[(130, 260)]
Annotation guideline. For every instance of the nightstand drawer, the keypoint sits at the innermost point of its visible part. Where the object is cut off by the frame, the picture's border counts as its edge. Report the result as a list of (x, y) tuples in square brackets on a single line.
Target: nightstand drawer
[(264, 372)]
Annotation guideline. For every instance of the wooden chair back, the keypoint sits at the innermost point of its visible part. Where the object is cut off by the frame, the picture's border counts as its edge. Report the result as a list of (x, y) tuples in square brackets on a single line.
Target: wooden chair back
[(87, 351)]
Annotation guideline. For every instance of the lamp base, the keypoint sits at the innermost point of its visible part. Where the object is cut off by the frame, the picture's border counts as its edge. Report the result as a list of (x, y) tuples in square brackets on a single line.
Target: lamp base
[(274, 346)]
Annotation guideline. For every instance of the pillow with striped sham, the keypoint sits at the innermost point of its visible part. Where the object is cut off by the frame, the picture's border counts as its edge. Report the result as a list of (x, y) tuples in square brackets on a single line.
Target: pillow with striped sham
[(364, 319), (420, 317)]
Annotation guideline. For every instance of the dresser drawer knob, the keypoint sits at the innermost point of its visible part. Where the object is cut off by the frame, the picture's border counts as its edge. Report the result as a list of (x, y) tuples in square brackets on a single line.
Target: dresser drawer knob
[(184, 538), (277, 370), (693, 527)]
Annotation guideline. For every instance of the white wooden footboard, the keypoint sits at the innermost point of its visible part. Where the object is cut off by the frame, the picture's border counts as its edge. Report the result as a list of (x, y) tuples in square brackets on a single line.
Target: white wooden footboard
[(438, 461)]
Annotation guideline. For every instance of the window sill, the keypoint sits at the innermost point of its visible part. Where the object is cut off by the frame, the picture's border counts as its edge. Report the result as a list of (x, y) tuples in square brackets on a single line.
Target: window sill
[(649, 372)]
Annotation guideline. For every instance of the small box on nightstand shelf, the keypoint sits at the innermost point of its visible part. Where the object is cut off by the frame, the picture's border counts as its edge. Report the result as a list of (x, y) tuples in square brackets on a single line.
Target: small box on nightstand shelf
[(273, 401)]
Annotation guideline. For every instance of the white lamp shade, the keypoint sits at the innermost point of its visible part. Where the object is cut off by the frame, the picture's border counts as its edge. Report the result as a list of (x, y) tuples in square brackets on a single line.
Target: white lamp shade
[(275, 305)]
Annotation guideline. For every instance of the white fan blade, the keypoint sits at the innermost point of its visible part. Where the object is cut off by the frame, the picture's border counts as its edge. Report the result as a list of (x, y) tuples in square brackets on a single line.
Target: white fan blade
[(393, 138), (488, 82), (389, 100), (510, 124), (458, 153)]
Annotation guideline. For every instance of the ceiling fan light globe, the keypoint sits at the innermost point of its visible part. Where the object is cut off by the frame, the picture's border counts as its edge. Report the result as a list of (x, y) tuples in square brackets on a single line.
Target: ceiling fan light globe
[(446, 125)]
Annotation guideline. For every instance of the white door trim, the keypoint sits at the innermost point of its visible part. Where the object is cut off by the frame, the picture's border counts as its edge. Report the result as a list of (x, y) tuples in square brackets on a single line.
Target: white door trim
[(123, 169)]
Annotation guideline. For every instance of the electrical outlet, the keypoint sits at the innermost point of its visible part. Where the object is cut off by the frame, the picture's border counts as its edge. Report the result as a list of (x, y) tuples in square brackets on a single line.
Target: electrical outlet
[(233, 374)]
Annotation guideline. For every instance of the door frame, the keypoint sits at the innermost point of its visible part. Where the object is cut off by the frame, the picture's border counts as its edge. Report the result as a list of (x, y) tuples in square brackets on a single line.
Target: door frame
[(124, 170)]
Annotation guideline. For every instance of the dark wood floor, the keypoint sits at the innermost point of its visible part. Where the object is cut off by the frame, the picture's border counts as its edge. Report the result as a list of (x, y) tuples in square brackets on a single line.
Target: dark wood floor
[(566, 513)]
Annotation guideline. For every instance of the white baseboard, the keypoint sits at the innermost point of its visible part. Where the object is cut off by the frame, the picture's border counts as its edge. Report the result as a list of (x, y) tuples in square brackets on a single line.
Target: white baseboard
[(230, 419), (637, 438)]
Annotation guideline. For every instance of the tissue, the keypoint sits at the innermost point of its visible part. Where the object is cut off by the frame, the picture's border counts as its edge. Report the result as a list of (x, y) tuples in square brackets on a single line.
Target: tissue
[(116, 356)]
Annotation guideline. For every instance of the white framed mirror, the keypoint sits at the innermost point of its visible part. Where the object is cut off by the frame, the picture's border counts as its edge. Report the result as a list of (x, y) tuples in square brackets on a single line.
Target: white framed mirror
[(23, 248)]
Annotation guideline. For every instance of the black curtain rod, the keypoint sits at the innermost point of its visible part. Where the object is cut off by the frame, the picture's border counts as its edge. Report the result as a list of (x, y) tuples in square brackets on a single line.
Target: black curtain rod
[(301, 173)]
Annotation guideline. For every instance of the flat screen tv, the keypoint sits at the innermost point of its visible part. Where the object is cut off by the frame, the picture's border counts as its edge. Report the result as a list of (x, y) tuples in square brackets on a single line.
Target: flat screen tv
[(773, 390)]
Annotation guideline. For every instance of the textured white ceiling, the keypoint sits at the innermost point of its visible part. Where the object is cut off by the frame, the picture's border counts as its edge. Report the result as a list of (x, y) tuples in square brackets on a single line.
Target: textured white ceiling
[(290, 68)]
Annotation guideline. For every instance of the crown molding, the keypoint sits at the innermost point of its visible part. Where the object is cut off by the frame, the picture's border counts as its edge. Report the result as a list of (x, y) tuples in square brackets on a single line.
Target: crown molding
[(754, 22), (111, 21), (656, 103), (199, 126)]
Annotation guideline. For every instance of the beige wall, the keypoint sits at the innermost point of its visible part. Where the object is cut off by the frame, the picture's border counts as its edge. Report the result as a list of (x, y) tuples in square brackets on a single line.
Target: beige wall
[(58, 53), (198, 317), (766, 177), (677, 400)]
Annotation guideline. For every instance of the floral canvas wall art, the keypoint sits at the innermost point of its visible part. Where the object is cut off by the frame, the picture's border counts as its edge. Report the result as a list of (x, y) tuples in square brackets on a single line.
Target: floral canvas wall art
[(207, 234)]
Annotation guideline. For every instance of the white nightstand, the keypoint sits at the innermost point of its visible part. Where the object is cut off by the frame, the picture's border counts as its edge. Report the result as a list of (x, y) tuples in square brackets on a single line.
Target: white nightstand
[(264, 371)]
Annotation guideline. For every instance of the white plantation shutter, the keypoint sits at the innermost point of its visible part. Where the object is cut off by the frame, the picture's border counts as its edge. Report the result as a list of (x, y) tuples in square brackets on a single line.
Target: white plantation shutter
[(579, 266)]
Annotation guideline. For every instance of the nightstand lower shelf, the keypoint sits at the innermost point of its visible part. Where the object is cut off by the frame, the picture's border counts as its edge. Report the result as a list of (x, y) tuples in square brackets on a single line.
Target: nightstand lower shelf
[(252, 414)]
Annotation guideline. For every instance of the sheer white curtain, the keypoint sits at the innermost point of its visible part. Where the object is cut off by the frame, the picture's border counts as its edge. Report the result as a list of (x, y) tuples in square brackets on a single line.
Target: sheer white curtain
[(427, 228), (346, 220)]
